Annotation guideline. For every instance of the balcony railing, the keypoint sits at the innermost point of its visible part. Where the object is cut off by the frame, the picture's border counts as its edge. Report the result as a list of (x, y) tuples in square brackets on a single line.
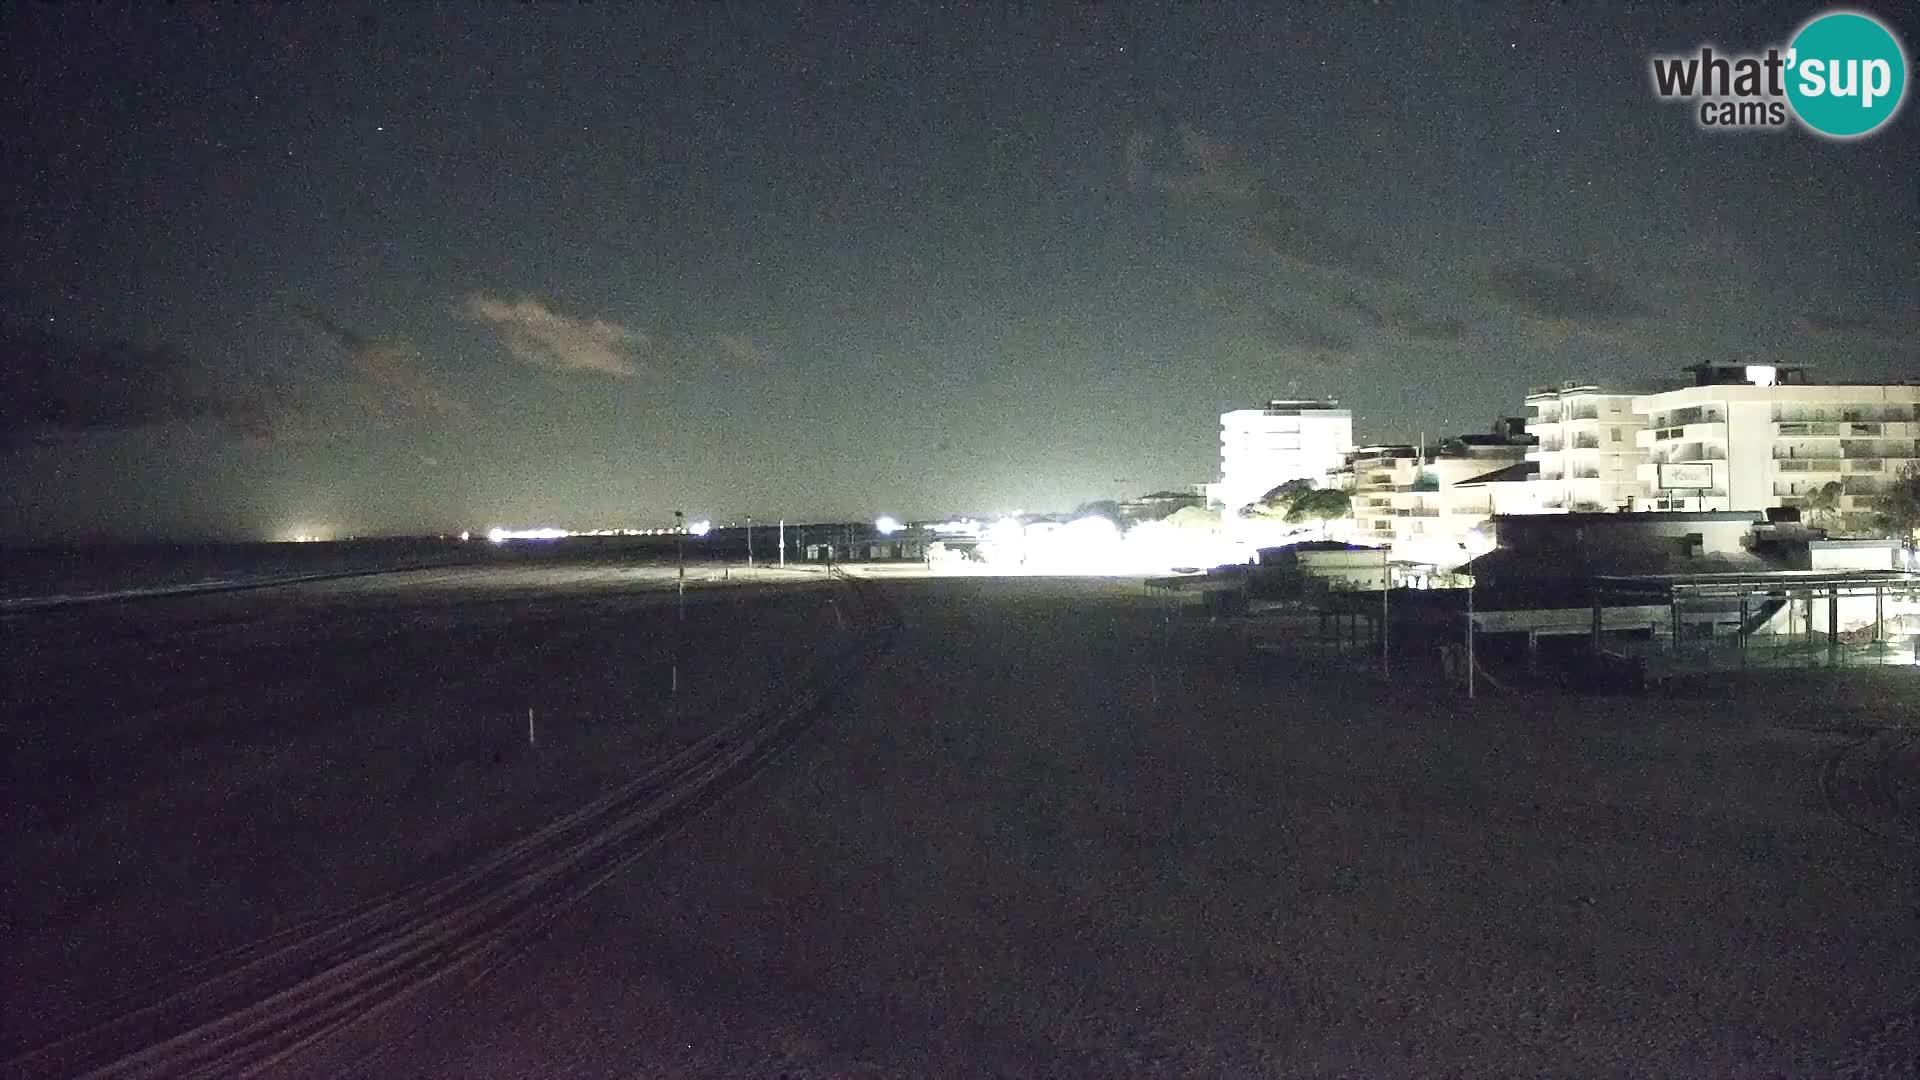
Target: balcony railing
[(1688, 416), (1809, 429), (1892, 412), (1586, 442), (1822, 454), (1685, 454), (1865, 465)]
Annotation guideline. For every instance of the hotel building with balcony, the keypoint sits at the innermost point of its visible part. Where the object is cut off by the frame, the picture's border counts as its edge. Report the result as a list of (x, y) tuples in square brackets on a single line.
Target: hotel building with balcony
[(1590, 453), (1750, 437)]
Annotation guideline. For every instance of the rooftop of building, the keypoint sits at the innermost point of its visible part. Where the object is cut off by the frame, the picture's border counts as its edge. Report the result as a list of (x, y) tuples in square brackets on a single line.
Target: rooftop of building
[(1638, 518), (1519, 470), (1289, 408), (1716, 373), (1738, 583)]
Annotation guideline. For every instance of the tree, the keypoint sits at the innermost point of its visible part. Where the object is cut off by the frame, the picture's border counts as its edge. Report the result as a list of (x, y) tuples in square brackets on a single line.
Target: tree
[(1298, 502), (1106, 508), (1277, 503), (1319, 506), (1896, 511), (1823, 505)]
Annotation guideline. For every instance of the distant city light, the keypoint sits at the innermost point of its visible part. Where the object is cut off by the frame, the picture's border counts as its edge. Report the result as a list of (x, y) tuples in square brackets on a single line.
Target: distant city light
[(465, 536), (887, 525), (501, 536), (699, 528), (1095, 545)]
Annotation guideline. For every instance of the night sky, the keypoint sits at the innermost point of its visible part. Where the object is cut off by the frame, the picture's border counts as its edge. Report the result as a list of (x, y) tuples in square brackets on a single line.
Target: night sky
[(423, 268)]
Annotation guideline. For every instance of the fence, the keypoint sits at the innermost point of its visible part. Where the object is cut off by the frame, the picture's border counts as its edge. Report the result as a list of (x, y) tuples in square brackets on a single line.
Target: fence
[(1866, 619)]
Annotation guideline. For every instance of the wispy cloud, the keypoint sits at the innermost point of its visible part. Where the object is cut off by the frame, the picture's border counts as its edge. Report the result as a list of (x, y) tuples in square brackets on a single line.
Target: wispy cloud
[(1276, 326), (1216, 168), (1214, 172), (1579, 296), (1282, 228), (1898, 327), (541, 337), (738, 351), (54, 388), (391, 365), (1407, 322)]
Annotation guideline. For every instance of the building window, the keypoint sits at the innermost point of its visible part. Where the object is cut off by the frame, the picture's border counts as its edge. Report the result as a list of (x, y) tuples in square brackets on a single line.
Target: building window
[(1616, 434)]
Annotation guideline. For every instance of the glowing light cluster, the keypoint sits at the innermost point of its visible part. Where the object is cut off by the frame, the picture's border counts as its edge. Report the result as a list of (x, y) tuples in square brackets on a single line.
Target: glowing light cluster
[(1096, 546), (501, 536), (887, 525)]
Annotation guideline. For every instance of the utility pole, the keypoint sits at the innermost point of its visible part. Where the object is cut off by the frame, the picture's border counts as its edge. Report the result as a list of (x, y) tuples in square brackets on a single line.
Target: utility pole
[(680, 529), (680, 618), (1473, 586), (1386, 612), (749, 541), (783, 543)]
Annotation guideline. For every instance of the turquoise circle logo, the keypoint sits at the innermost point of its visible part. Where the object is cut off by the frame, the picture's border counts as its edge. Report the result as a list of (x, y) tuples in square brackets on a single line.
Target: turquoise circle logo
[(1846, 74)]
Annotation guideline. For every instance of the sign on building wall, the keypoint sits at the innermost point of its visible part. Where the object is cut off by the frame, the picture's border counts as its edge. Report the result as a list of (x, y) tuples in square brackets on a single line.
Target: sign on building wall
[(1686, 477)]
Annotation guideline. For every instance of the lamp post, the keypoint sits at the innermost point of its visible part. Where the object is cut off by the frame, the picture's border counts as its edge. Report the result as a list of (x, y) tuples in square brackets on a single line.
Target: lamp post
[(1386, 611), (680, 600), (1471, 662), (680, 537), (1476, 544), (749, 541)]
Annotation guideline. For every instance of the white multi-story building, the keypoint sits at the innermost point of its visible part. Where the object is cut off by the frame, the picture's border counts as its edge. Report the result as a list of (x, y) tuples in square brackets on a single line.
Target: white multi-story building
[(1590, 451), (1260, 449), (1370, 477), (1415, 500), (1749, 437)]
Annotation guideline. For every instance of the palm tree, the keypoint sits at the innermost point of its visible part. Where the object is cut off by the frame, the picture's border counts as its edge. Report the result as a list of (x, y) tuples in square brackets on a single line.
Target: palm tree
[(1823, 504), (1897, 509)]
